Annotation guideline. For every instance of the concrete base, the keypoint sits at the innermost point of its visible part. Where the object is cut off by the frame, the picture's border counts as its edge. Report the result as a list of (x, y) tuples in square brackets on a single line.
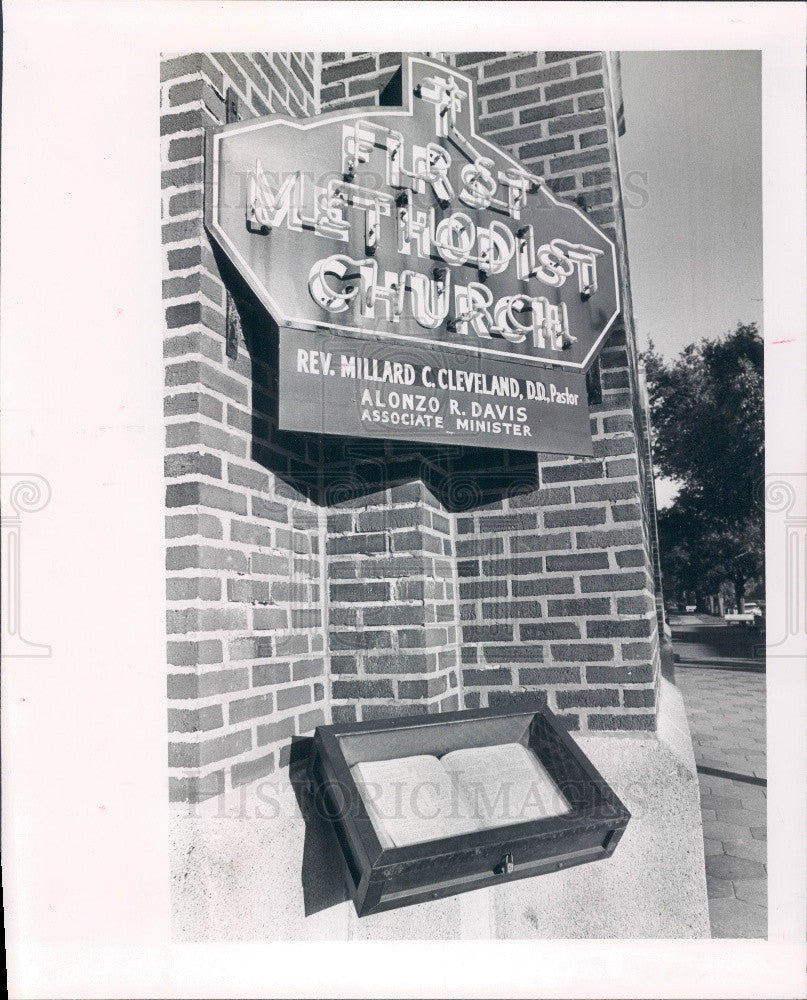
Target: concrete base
[(249, 867)]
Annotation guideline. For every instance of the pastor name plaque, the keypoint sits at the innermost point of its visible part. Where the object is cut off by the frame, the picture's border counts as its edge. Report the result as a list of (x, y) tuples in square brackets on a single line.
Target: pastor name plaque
[(340, 385)]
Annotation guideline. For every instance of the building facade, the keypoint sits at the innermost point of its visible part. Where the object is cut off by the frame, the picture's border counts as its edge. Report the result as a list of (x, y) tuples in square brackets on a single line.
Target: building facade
[(314, 578)]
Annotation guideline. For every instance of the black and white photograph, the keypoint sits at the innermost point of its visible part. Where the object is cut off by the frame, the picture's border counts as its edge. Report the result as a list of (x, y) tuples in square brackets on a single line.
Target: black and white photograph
[(410, 461), (418, 575)]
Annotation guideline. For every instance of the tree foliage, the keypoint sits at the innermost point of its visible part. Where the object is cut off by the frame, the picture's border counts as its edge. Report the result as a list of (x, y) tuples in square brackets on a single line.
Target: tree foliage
[(707, 416)]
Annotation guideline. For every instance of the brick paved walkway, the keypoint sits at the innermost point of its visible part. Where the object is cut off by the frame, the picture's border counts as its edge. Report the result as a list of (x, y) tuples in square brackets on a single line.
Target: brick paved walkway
[(726, 712)]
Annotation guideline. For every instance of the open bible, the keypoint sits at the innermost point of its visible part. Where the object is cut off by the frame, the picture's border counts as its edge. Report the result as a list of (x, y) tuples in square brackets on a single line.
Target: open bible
[(420, 798)]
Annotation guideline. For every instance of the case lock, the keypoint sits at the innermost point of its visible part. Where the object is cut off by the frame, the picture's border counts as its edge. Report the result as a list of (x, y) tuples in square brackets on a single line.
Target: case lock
[(505, 866)]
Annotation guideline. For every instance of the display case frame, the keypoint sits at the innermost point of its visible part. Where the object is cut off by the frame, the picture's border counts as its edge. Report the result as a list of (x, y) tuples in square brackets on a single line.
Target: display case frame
[(382, 878)]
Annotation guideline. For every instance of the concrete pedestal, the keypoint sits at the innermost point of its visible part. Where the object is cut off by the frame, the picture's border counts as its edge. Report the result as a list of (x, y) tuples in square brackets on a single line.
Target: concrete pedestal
[(251, 868)]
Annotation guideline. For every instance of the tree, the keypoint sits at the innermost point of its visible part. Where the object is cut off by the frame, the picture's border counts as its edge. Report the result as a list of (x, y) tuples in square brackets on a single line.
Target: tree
[(707, 417)]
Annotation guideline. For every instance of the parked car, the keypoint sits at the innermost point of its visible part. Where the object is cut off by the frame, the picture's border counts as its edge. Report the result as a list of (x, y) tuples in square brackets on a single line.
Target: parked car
[(752, 615), (690, 608)]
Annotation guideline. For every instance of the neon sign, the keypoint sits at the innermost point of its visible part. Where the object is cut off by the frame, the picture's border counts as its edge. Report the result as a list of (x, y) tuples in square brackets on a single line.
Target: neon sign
[(406, 225)]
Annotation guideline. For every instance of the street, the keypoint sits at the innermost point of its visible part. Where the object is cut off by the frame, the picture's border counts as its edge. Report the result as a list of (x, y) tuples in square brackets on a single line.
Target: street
[(723, 686)]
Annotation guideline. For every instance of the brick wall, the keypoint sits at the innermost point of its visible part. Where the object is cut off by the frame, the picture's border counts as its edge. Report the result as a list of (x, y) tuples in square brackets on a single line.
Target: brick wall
[(393, 631), (244, 535), (554, 558), (310, 579)]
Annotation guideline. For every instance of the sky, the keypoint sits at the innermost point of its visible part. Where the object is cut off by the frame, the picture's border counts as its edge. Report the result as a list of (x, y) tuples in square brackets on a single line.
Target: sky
[(691, 163)]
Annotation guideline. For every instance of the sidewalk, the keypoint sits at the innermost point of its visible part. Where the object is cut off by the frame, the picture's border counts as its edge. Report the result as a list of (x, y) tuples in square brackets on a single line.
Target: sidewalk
[(724, 697)]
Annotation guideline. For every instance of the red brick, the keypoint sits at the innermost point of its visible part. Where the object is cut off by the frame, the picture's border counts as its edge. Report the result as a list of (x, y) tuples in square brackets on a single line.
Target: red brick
[(270, 510), (516, 100), (404, 662), (579, 85), (603, 698), (196, 788), (186, 121), (186, 148), (273, 732), (194, 720), (393, 615), (192, 525), (309, 668), (369, 712), (583, 560), (511, 609), (582, 652), (622, 722), (362, 689), (537, 588), (180, 588), (516, 699), (557, 145), (621, 467), (243, 709), (293, 697), (612, 629), (607, 539), (606, 491), (640, 698), (484, 678), (637, 650), (205, 619), (488, 88), (545, 110), (598, 137), (516, 653), (510, 567), (185, 257), (573, 123), (588, 102), (549, 675), (635, 605), (347, 70), (593, 178), (242, 773), (190, 372), (209, 751), (422, 688), (479, 546), (500, 67), (183, 176), (204, 495), (574, 516), (470, 58), (367, 592), (190, 653), (487, 633), (170, 69), (548, 630), (557, 72), (606, 673), (360, 640), (485, 588), (569, 473), (264, 674), (580, 606), (541, 543), (613, 581), (205, 557)]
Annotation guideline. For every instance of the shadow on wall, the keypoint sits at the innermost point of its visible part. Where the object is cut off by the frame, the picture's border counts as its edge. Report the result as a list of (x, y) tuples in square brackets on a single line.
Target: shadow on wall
[(330, 471), (323, 879)]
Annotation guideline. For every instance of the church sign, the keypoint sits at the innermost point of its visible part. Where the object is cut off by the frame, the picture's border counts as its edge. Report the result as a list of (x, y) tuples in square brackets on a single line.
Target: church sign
[(425, 261)]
